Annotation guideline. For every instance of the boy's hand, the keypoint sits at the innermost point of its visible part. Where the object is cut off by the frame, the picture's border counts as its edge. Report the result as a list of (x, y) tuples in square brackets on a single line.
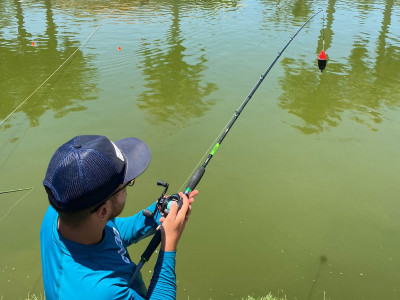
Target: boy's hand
[(174, 224)]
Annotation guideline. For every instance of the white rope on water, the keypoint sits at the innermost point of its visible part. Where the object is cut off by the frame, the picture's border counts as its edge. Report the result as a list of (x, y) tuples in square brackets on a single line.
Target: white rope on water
[(52, 74)]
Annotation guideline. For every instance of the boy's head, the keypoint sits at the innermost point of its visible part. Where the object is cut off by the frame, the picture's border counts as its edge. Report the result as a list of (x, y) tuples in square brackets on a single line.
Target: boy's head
[(86, 170)]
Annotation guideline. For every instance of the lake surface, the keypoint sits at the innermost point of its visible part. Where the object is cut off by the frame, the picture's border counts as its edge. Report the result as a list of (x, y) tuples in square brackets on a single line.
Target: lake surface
[(301, 199)]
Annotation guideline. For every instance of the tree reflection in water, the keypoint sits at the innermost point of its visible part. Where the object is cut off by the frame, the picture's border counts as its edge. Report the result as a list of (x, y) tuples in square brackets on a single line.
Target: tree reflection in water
[(174, 88), (322, 100), (24, 68)]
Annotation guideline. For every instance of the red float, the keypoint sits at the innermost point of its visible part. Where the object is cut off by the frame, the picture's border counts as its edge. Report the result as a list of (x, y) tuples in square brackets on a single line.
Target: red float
[(322, 60)]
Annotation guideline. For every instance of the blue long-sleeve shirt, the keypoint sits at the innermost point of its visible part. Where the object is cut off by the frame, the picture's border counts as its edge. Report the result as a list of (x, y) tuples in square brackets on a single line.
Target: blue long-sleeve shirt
[(102, 271)]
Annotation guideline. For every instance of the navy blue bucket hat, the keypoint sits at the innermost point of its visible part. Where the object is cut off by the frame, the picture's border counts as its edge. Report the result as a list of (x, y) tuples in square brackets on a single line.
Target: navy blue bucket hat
[(87, 169)]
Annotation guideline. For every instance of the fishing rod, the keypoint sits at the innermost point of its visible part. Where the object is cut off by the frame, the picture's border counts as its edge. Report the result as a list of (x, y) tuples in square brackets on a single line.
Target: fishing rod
[(164, 203), (17, 190)]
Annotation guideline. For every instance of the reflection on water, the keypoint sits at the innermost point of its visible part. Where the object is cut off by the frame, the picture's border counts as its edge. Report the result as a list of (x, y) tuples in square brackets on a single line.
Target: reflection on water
[(24, 67), (326, 34), (301, 8), (321, 100), (387, 63), (127, 8), (174, 88), (185, 59), (281, 11), (307, 94)]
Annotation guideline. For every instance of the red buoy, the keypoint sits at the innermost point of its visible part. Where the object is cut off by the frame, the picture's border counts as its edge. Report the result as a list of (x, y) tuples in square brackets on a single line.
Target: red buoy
[(33, 44), (119, 48), (322, 60)]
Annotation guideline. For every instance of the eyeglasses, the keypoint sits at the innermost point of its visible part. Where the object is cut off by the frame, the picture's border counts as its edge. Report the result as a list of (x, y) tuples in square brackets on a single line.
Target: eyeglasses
[(129, 183)]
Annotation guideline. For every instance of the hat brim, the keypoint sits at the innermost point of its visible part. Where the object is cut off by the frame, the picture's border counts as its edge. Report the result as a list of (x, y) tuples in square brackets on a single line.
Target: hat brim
[(137, 154)]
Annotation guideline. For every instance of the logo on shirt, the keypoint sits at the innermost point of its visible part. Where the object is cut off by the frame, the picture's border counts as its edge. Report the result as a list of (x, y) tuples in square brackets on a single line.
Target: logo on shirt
[(119, 243)]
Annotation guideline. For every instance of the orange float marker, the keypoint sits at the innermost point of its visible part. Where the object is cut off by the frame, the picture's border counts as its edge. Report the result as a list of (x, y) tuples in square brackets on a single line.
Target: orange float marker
[(322, 60), (33, 44), (119, 48)]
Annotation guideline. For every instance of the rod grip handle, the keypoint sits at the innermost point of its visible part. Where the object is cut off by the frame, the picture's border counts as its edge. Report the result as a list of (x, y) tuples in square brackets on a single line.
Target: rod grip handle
[(196, 178), (155, 241)]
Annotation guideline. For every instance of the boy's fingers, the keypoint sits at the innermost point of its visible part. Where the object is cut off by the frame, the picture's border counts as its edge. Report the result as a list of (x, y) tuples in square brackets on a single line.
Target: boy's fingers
[(184, 208), (193, 193), (173, 209), (189, 212)]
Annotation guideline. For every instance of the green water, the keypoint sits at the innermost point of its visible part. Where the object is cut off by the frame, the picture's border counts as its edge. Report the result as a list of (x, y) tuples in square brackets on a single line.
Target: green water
[(301, 199)]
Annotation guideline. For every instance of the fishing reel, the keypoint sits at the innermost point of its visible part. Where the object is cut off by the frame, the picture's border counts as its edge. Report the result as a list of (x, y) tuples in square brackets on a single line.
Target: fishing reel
[(164, 203)]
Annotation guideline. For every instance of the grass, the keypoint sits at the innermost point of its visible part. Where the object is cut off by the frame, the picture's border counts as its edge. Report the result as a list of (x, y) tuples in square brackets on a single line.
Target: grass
[(34, 297), (268, 297)]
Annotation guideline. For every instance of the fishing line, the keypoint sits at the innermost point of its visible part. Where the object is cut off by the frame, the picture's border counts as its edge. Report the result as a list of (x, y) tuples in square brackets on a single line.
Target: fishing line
[(14, 148), (15, 204), (241, 107), (204, 155), (198, 174), (52, 74), (323, 31)]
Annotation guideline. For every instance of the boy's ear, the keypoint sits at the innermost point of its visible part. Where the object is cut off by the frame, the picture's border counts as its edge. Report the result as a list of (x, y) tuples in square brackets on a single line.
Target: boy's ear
[(104, 211)]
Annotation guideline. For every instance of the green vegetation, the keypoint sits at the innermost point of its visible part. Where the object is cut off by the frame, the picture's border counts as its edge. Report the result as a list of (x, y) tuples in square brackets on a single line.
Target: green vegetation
[(34, 297), (268, 297)]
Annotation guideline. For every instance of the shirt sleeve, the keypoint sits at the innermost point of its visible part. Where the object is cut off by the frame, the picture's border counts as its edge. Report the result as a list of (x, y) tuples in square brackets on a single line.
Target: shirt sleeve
[(163, 282), (162, 285), (137, 227)]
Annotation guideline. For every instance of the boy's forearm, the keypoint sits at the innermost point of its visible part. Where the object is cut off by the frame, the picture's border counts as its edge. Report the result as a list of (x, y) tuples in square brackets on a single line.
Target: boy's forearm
[(163, 282)]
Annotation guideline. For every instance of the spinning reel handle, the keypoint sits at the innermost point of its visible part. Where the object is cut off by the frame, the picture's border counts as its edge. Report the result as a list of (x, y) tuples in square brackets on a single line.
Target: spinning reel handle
[(164, 204)]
